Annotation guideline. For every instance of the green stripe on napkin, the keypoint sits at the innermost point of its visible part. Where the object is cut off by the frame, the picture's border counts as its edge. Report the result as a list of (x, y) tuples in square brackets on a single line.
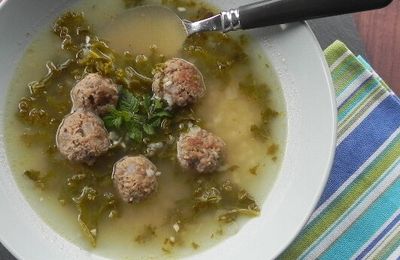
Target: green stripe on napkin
[(358, 215)]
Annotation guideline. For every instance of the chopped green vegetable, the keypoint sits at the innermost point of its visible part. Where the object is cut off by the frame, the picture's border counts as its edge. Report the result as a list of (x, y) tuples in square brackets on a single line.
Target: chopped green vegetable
[(166, 250), (39, 179), (84, 191), (72, 30), (258, 92), (253, 170), (148, 234), (259, 132), (263, 131), (195, 245), (273, 149), (39, 108), (233, 214), (169, 244), (33, 175), (208, 195), (214, 54), (86, 217)]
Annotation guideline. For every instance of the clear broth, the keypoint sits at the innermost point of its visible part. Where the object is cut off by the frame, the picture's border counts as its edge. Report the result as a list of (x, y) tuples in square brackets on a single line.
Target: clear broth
[(224, 111)]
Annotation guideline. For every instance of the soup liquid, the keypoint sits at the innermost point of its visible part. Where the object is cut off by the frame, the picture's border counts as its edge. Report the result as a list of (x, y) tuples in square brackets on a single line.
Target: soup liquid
[(224, 110), (154, 25)]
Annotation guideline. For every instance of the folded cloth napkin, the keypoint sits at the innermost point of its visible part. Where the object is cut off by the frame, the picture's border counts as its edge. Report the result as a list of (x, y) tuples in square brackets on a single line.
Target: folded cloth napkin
[(358, 215)]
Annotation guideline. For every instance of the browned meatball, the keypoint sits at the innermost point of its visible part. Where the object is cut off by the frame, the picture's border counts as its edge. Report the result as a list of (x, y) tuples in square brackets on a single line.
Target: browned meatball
[(94, 93), (135, 178), (82, 137), (179, 83), (200, 150)]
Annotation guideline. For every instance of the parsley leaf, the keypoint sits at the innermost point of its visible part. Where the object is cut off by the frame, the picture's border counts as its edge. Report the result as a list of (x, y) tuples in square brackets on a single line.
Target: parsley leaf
[(129, 102), (137, 116)]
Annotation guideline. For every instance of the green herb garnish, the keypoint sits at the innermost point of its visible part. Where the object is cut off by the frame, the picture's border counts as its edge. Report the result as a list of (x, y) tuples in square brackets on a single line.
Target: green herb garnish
[(137, 116)]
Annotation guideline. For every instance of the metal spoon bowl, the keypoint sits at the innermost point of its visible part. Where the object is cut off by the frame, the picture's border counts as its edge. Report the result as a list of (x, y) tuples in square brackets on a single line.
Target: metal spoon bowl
[(271, 12)]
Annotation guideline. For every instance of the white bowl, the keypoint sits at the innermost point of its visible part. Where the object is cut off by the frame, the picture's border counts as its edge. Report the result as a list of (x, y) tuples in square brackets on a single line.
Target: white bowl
[(311, 113)]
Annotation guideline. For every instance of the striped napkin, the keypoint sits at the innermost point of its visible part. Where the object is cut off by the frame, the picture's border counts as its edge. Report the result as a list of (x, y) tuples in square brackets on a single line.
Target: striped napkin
[(358, 215)]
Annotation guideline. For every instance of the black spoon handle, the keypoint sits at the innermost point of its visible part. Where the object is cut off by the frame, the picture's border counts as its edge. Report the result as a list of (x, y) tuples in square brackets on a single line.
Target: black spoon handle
[(272, 12)]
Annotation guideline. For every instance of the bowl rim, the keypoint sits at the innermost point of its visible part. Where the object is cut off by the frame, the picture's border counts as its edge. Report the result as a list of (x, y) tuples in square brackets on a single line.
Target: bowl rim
[(324, 181), (14, 250)]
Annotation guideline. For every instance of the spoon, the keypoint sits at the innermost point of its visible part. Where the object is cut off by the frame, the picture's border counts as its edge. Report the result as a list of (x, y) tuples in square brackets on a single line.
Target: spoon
[(160, 26), (272, 12)]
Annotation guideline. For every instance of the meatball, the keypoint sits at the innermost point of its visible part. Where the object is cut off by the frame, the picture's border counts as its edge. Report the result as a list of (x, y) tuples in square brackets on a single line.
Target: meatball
[(179, 83), (200, 150), (94, 93), (135, 178), (82, 137)]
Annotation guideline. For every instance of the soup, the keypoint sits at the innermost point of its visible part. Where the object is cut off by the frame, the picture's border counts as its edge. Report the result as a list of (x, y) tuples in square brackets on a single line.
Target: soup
[(189, 211)]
